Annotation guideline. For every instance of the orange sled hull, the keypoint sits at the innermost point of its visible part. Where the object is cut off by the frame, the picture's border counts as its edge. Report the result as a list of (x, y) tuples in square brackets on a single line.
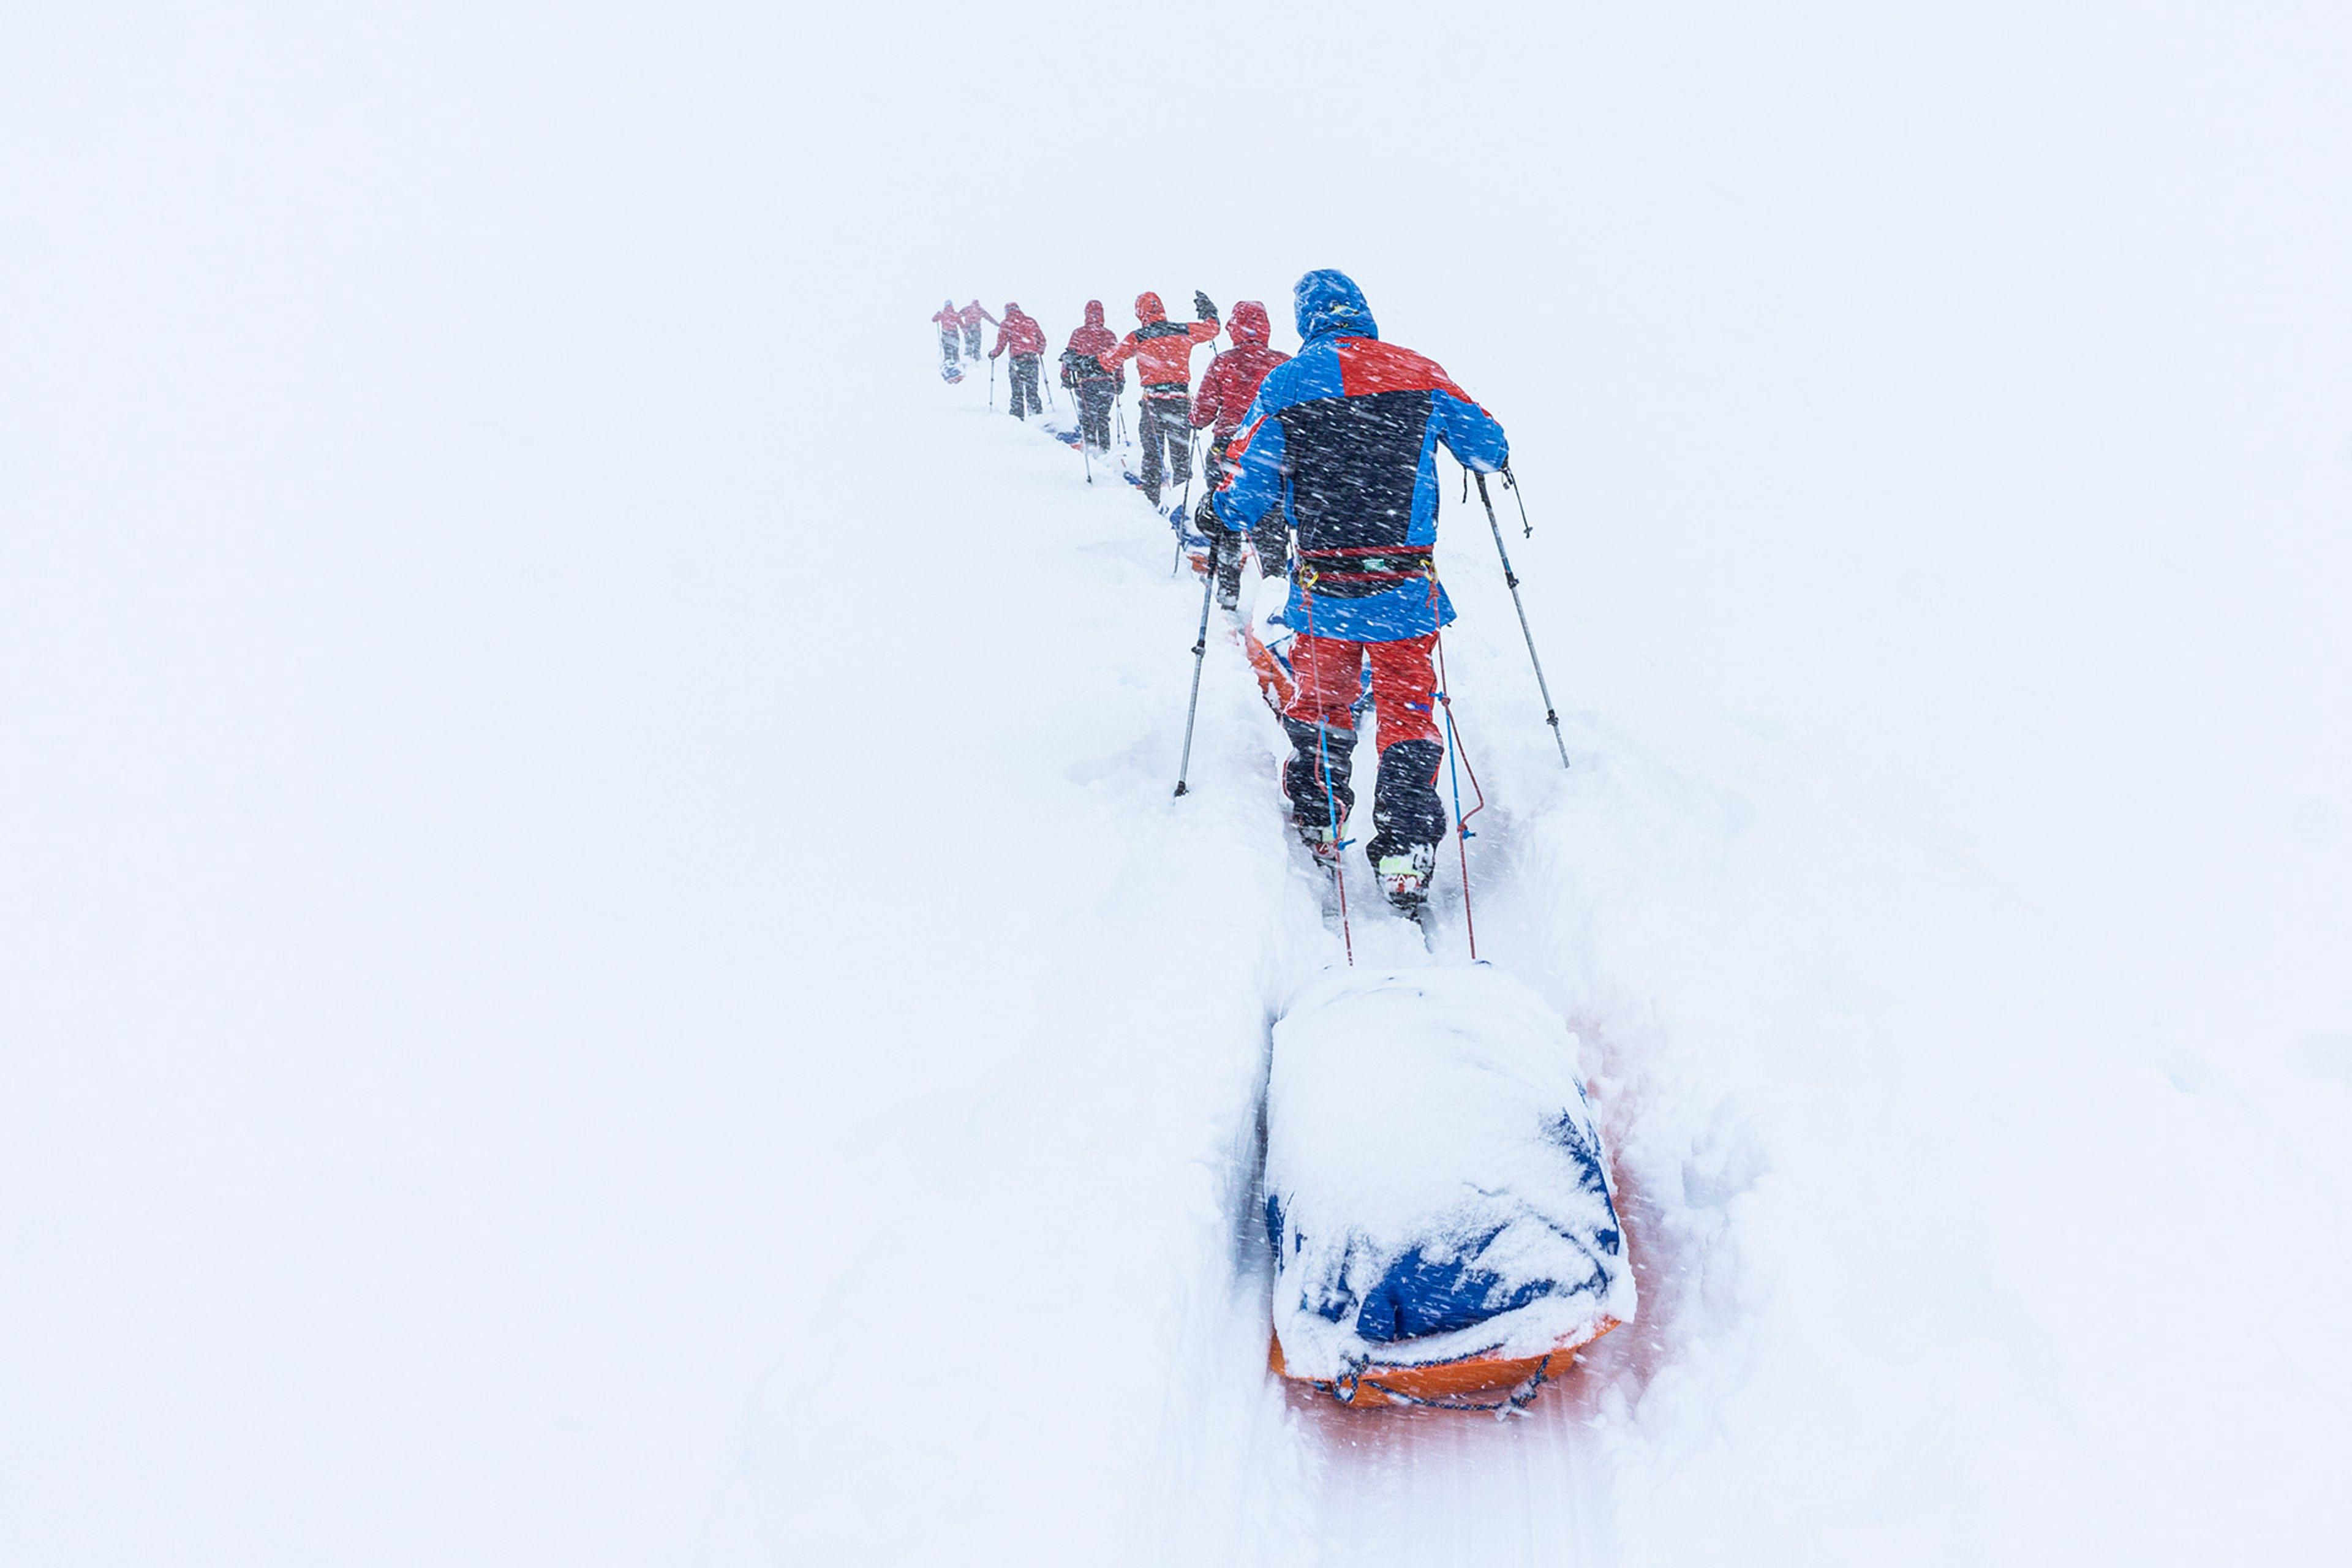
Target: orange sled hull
[(1455, 1384)]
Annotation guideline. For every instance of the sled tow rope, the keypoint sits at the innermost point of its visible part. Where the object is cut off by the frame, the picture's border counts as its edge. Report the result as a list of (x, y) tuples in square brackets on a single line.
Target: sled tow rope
[(1462, 834)]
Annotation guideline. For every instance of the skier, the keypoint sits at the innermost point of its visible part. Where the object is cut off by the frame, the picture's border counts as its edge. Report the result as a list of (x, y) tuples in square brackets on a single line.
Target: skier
[(1162, 350), (950, 324), (1345, 436), (971, 317), (1020, 333), (1093, 386), (1226, 390)]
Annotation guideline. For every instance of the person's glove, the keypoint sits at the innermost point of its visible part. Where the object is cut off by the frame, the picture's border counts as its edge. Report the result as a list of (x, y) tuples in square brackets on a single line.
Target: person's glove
[(1271, 543), (1204, 308)]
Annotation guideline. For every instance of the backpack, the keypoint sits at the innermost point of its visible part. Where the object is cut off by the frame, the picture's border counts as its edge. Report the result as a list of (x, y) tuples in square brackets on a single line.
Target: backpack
[(1078, 366)]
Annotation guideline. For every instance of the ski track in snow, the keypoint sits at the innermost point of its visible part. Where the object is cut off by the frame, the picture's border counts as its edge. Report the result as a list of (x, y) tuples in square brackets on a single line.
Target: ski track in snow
[(1397, 1485), (1612, 888)]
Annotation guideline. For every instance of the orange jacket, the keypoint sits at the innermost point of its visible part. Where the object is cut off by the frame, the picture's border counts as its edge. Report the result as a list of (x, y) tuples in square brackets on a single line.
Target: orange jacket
[(1161, 349)]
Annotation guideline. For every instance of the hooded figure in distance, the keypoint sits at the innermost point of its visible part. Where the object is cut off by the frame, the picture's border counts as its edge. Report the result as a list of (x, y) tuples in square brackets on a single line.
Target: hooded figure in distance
[(951, 324), (1089, 382), (1019, 335), (972, 315), (1226, 392)]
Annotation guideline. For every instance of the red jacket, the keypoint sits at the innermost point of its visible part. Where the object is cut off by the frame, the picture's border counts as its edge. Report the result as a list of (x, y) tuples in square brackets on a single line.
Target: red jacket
[(1087, 346), (1094, 339), (950, 319), (1020, 332), (1161, 349), (1232, 380), (972, 315)]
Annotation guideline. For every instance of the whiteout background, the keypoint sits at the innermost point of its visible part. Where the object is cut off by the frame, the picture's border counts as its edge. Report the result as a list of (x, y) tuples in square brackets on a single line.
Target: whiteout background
[(595, 964)]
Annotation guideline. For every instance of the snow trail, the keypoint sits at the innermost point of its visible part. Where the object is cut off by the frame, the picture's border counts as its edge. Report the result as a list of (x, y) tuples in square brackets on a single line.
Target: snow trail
[(1380, 1485)]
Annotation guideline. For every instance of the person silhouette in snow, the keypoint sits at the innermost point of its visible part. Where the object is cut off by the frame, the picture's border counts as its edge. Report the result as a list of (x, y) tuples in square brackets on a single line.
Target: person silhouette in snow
[(1344, 437), (1227, 389), (951, 324), (971, 316), (1019, 335), (1162, 352), (1089, 382)]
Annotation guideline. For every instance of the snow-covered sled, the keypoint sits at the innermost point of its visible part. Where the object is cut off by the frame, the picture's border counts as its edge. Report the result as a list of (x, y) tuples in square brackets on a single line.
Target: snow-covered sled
[(1266, 642), (1437, 1198)]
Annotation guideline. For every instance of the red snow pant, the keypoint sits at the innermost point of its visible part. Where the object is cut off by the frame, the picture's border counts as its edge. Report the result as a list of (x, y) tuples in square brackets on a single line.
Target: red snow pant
[(1328, 672)]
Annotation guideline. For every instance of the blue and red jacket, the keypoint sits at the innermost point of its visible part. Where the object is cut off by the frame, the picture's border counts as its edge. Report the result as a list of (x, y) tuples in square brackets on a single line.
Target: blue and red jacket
[(1344, 437)]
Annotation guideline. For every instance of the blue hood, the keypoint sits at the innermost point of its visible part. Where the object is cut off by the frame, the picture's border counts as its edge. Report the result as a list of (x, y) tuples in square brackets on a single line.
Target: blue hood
[(1328, 301)]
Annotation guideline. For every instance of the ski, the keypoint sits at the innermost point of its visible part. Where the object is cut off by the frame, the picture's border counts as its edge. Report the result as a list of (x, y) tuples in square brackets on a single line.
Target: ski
[(1425, 922)]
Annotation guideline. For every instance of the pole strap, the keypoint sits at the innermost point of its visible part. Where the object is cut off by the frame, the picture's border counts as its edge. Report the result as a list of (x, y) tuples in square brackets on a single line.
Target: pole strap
[(1462, 834)]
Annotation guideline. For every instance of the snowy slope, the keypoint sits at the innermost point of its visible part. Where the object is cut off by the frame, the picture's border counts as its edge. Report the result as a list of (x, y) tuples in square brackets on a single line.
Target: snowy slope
[(598, 962)]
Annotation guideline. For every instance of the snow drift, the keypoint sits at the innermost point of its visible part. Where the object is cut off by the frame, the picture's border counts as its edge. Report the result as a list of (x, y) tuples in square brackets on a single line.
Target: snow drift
[(1435, 1188)]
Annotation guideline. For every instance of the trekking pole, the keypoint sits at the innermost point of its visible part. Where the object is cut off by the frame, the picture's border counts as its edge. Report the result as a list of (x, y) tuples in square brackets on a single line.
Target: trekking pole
[(991, 381), (1085, 436), (1551, 714), (1200, 657)]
